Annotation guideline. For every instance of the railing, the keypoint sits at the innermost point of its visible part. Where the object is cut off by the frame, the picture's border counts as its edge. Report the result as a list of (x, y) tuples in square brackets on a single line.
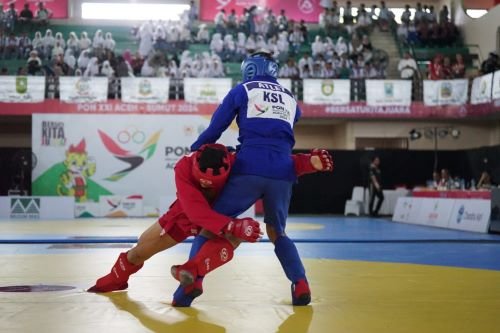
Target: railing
[(176, 90)]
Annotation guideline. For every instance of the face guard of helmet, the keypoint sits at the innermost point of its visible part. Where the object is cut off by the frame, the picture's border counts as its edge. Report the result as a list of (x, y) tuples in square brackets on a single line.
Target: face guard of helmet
[(211, 166), (259, 64)]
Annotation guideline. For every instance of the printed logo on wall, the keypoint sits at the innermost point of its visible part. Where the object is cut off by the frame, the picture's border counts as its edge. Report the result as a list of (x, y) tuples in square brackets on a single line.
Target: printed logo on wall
[(306, 6), (145, 88), (25, 208), (389, 89), (53, 134), (21, 84), (146, 151), (327, 87), (461, 212), (446, 90)]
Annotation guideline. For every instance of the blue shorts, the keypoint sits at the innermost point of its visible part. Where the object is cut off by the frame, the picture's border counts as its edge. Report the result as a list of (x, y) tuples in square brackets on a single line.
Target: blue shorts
[(242, 191)]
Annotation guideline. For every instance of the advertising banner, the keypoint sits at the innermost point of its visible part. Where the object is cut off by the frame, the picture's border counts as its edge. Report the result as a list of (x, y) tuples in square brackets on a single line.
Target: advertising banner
[(336, 92), (58, 8), (446, 92), (481, 89), (435, 212), (83, 89), (287, 83), (88, 156), (471, 215), (307, 10), (206, 90), (388, 92), (36, 208), (496, 85), (407, 210), (22, 89), (120, 206), (145, 90)]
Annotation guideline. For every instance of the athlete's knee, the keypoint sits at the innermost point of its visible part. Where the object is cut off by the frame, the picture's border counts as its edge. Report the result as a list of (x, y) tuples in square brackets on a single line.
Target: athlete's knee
[(273, 234)]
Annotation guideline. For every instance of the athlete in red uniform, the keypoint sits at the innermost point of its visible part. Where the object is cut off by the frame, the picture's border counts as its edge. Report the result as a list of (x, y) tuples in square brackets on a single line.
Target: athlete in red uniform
[(199, 177)]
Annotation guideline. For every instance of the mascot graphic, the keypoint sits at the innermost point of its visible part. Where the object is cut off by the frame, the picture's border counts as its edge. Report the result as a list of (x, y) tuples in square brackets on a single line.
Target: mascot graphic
[(78, 167)]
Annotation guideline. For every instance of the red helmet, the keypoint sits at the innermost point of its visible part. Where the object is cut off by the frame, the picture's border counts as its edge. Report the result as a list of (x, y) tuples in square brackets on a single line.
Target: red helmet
[(211, 165)]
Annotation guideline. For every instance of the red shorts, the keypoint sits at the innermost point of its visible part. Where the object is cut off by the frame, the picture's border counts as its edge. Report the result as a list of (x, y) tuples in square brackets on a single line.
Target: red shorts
[(178, 227)]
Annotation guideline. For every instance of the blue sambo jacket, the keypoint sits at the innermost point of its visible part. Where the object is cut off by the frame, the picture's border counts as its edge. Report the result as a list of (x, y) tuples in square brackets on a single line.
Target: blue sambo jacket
[(265, 113)]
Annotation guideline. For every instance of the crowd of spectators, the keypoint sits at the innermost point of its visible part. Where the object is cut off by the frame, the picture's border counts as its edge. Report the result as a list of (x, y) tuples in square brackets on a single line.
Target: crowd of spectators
[(443, 68), (424, 28), (10, 19)]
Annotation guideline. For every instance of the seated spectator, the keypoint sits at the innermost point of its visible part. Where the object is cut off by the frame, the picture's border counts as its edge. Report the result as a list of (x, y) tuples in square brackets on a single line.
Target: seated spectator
[(34, 63), (490, 65), (37, 44), (26, 17), (59, 39), (407, 66), (341, 47), (446, 69), (343, 72), (484, 182), (289, 70), (107, 70), (458, 67), (296, 40), (109, 42), (84, 42), (203, 35), (241, 49), (329, 70), (357, 71), (435, 68), (48, 43), (260, 43), (98, 43), (305, 60), (217, 44), (445, 182), (229, 49), (306, 72), (92, 68), (317, 47), (57, 50), (42, 15), (370, 71), (218, 69), (123, 68), (83, 60), (24, 46), (283, 46), (73, 43), (70, 61), (10, 48)]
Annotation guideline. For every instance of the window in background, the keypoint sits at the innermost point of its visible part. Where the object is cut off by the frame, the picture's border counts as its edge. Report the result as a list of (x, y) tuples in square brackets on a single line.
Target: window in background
[(132, 11)]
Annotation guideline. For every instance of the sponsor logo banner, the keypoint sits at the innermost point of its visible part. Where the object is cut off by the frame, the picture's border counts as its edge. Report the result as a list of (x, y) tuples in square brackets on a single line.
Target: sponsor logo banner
[(446, 92), (297, 10), (109, 154), (83, 89), (120, 206), (25, 208), (407, 210), (496, 85), (471, 215), (481, 89), (145, 90), (22, 89), (388, 92), (336, 92), (435, 212), (199, 90)]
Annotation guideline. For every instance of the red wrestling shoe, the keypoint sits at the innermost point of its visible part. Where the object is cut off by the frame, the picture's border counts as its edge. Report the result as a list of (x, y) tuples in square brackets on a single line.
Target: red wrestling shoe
[(117, 279)]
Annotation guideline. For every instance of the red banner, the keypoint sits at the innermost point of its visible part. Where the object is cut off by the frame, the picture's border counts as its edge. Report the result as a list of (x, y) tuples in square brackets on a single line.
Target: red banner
[(59, 8), (355, 110), (307, 10)]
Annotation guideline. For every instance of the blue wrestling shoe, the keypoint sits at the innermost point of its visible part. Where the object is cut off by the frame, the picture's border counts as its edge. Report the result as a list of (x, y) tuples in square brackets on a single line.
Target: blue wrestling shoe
[(184, 296), (301, 294)]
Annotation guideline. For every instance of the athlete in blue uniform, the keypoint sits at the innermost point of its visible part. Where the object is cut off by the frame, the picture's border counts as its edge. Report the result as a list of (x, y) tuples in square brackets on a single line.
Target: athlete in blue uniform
[(265, 112)]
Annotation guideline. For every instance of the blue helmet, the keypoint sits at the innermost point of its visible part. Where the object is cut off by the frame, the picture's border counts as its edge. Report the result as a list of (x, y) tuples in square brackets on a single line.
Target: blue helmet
[(260, 63)]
